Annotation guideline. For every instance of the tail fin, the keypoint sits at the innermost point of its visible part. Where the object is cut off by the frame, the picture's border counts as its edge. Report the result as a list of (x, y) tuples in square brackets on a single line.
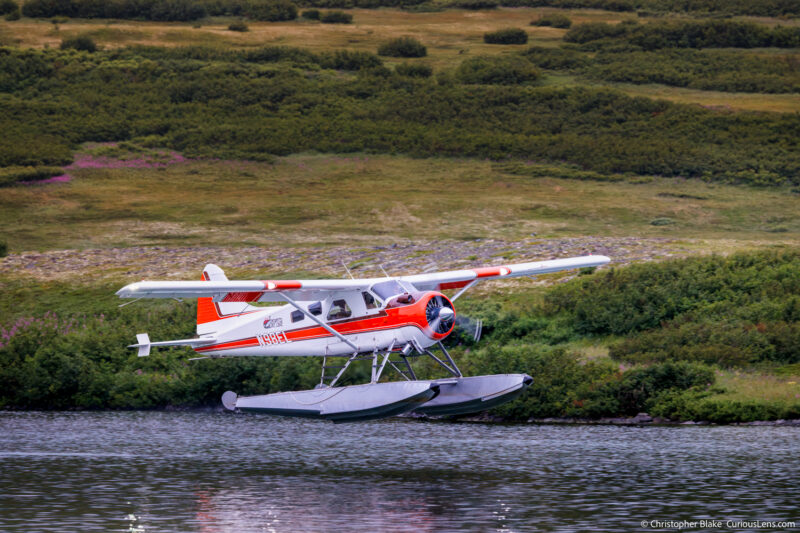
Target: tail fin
[(210, 312), (207, 310)]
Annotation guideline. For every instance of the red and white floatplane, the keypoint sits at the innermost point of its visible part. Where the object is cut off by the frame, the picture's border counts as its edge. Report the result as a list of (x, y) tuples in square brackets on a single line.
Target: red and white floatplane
[(388, 321)]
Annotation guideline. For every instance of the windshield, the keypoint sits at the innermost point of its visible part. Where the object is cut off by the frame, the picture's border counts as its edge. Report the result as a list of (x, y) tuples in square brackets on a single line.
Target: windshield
[(387, 289)]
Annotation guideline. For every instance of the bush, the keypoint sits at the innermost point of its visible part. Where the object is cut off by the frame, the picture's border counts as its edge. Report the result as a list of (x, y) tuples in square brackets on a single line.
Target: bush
[(14, 174), (720, 70), (742, 289), (14, 15), (238, 26), (511, 70), (703, 34), (8, 6), (3, 248), (270, 10), (163, 10), (310, 14), (555, 20), (180, 10), (414, 70), (336, 17), (476, 4), (349, 60), (403, 47), (81, 42), (506, 36)]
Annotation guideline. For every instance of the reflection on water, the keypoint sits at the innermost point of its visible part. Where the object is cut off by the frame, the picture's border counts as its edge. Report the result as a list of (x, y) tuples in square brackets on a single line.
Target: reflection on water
[(217, 472)]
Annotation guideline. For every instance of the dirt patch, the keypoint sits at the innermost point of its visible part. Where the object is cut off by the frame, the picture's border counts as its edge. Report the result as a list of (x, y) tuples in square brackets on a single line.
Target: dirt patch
[(401, 257)]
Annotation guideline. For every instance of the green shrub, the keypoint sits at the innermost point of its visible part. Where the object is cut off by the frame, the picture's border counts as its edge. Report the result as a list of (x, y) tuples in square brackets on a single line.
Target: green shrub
[(764, 8), (3, 248), (349, 60), (696, 404), (701, 34), (238, 26), (506, 36), (475, 4), (14, 15), (556, 58), (638, 388), (8, 6), (403, 47), (80, 42), (164, 10), (511, 70), (181, 10), (310, 14), (270, 10), (555, 20), (15, 174), (414, 70), (719, 70), (336, 17), (742, 289)]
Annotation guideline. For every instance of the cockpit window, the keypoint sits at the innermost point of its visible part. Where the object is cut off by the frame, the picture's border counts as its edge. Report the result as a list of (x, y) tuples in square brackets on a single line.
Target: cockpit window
[(369, 300), (339, 310), (315, 308), (387, 289)]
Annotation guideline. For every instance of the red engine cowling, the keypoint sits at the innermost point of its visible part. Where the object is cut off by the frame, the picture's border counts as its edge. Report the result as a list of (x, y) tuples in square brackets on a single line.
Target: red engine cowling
[(440, 314)]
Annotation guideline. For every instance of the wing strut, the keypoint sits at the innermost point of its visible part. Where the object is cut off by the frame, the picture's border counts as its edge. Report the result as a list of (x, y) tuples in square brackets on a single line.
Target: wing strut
[(462, 291), (318, 321)]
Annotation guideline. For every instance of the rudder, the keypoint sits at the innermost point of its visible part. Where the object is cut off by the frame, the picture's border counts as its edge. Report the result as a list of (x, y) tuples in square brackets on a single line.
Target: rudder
[(209, 312)]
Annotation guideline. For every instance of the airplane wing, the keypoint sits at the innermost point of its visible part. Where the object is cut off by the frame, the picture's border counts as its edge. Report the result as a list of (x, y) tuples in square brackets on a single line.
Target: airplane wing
[(240, 291), (455, 279), (274, 290)]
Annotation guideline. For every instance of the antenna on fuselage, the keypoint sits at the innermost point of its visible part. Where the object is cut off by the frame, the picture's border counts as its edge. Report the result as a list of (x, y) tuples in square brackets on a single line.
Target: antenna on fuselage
[(384, 272)]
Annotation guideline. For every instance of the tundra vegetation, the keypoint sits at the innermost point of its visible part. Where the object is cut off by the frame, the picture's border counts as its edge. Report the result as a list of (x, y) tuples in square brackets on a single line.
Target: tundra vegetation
[(672, 331), (713, 338)]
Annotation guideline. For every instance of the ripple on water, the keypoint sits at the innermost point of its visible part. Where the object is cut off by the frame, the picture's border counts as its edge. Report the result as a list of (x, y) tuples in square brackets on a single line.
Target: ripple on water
[(201, 471)]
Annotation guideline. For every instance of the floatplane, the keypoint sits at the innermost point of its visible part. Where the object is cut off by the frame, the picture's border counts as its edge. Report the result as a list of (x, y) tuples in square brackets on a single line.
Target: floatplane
[(388, 321)]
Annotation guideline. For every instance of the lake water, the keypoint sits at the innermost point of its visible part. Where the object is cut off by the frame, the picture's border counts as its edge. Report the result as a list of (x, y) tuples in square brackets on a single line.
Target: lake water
[(218, 472)]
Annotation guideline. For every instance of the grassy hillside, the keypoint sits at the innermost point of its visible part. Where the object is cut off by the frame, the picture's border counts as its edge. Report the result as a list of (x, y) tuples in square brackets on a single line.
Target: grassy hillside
[(641, 129), (279, 101), (311, 198)]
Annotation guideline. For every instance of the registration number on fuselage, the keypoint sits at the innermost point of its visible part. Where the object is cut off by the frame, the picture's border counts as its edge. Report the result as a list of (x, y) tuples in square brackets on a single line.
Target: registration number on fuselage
[(272, 338)]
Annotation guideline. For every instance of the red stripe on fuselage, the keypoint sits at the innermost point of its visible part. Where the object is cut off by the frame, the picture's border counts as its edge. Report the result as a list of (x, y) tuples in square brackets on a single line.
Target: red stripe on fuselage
[(393, 318), (243, 343)]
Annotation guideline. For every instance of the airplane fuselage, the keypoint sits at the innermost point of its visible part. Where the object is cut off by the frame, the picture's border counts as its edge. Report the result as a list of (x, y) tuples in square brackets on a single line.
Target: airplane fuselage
[(355, 316)]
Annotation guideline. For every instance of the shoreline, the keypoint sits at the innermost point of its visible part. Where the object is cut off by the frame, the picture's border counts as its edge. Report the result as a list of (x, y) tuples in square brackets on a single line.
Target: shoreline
[(640, 420)]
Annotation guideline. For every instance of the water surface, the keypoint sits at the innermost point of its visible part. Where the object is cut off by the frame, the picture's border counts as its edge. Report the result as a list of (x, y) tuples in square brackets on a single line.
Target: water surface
[(218, 472)]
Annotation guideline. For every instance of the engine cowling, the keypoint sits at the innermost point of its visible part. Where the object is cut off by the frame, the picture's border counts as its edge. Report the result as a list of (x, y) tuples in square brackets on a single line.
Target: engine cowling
[(440, 314)]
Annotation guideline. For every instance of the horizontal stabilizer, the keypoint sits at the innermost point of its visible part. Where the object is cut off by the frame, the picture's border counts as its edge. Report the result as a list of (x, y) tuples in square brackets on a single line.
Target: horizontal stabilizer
[(143, 340), (144, 344)]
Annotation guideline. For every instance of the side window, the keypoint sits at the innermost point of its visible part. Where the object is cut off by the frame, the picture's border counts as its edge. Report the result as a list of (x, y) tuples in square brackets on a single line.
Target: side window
[(315, 308), (297, 316), (339, 310), (369, 300)]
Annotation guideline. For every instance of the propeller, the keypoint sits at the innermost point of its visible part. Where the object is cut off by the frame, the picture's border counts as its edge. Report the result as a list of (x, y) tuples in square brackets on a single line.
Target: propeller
[(469, 328), (440, 315)]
